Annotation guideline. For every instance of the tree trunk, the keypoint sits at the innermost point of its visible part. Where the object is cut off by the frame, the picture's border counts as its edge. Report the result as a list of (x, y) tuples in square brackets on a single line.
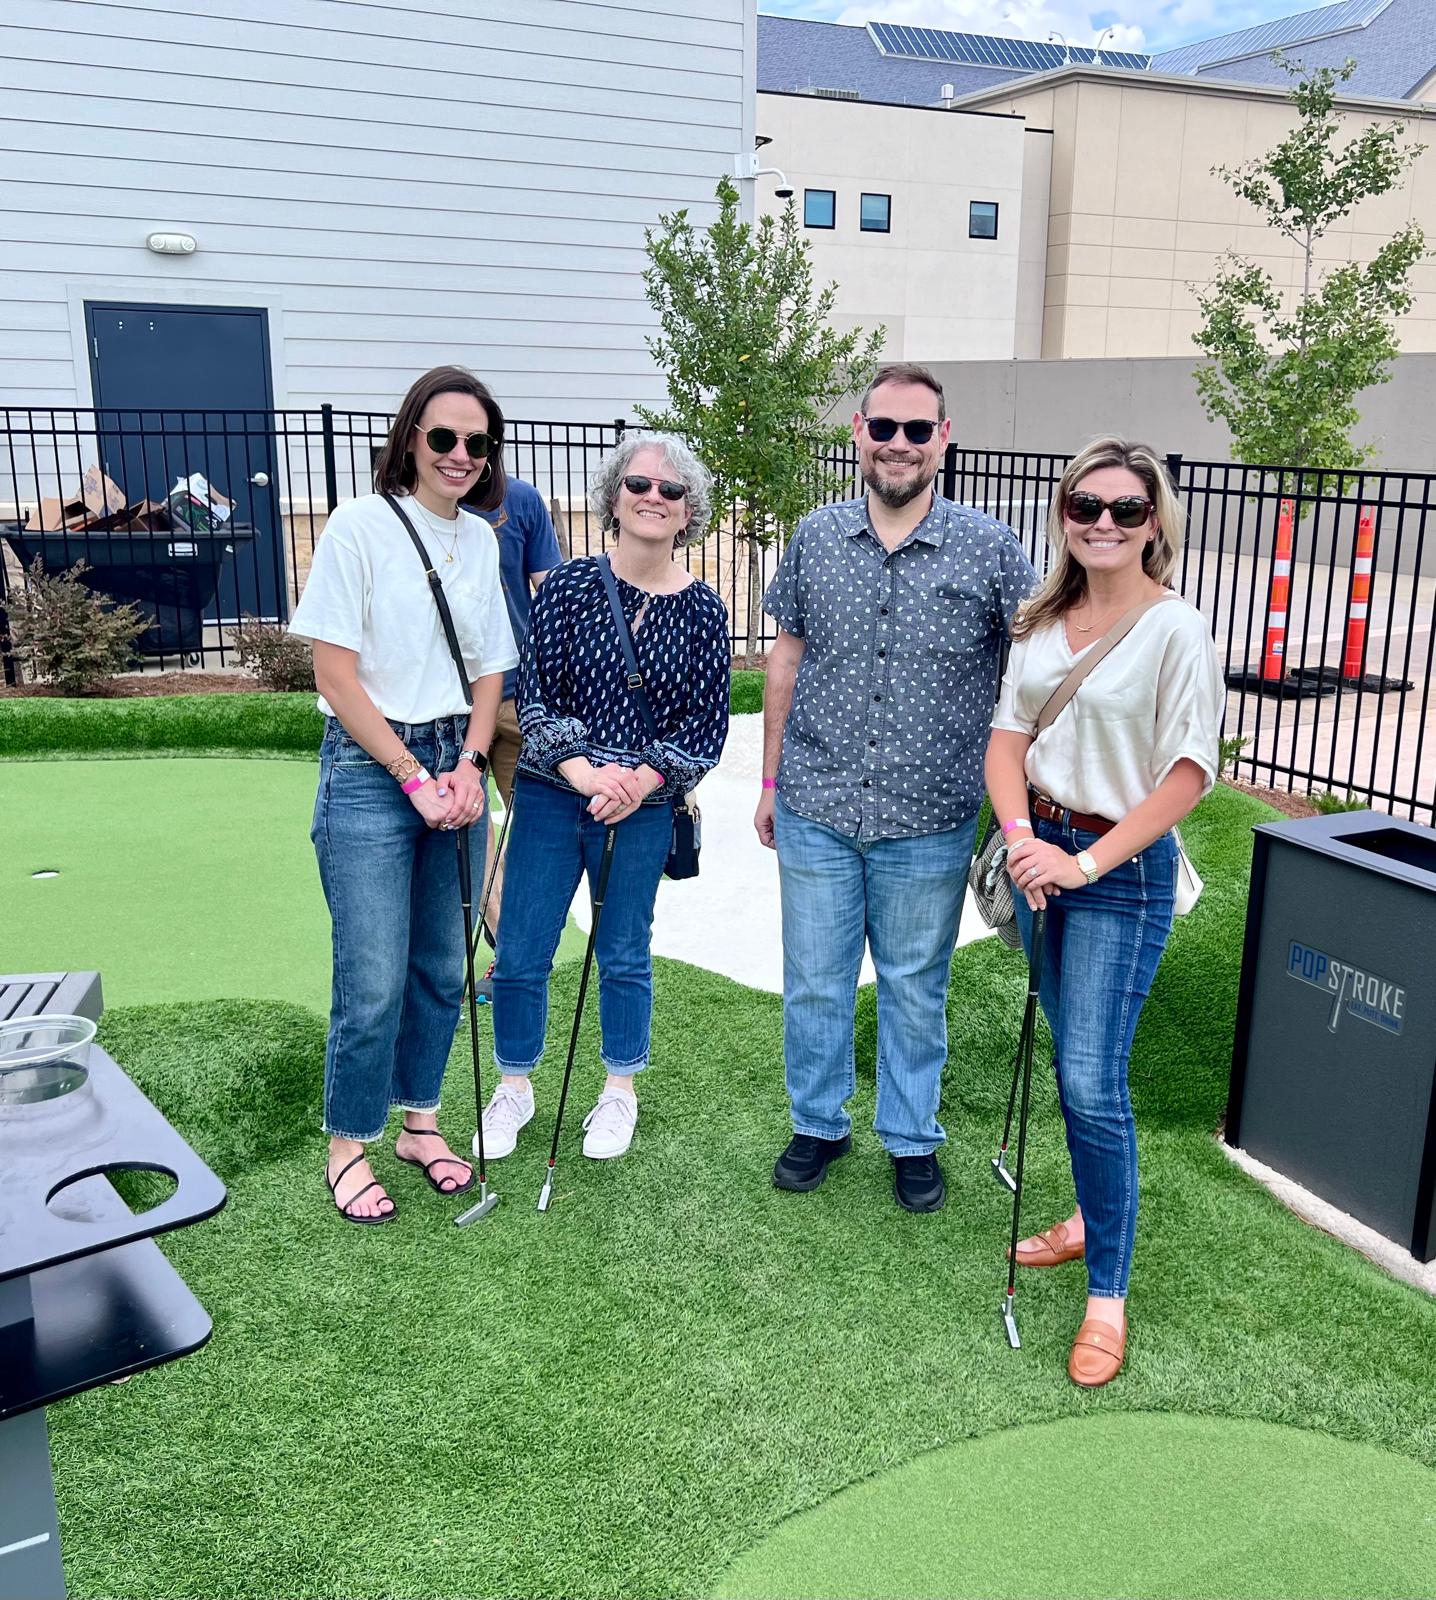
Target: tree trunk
[(755, 602)]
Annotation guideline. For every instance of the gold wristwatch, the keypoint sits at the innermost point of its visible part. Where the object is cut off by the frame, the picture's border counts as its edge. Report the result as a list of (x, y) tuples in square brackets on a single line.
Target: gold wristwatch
[(1088, 865)]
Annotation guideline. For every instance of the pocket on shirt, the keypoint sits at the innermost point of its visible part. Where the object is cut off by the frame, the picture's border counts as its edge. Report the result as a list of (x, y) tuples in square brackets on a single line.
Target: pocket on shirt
[(954, 621)]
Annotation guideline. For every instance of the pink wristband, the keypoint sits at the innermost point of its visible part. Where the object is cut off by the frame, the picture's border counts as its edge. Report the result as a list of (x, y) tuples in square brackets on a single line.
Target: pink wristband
[(770, 783), (418, 781), (657, 774), (1017, 822)]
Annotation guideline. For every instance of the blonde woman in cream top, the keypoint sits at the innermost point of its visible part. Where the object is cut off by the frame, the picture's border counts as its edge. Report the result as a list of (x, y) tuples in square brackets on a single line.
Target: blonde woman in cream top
[(1087, 808)]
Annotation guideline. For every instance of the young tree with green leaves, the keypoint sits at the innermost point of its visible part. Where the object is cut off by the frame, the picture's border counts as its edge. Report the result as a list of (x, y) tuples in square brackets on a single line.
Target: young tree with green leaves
[(1284, 376), (753, 369)]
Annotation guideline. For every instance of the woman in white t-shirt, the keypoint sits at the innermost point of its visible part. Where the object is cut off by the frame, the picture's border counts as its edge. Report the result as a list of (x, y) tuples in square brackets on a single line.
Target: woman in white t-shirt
[(402, 766), (1128, 757)]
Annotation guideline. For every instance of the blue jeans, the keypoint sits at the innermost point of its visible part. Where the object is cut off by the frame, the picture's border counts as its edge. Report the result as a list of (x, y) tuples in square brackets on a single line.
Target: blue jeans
[(392, 884), (552, 842), (1103, 944), (903, 897)]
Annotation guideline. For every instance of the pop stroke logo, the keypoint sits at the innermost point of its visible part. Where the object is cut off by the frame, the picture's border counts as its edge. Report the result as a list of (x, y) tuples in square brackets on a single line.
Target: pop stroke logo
[(1360, 994)]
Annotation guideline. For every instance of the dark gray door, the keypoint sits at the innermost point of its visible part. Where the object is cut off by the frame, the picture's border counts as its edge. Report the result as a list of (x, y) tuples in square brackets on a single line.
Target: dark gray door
[(186, 389)]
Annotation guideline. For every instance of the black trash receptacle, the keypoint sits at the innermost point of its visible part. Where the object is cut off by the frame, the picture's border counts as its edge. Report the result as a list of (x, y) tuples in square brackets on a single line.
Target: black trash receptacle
[(1334, 1067)]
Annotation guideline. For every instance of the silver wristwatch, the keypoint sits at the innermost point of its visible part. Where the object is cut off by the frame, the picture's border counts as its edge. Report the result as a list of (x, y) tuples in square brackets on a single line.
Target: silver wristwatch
[(475, 758)]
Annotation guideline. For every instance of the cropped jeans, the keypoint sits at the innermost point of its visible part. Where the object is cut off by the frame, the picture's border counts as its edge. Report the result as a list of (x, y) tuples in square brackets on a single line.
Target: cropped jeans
[(392, 884), (903, 898), (553, 842), (1103, 944)]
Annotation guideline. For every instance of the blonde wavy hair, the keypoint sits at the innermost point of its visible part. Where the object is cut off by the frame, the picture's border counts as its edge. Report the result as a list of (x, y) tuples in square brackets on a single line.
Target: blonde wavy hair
[(1066, 584)]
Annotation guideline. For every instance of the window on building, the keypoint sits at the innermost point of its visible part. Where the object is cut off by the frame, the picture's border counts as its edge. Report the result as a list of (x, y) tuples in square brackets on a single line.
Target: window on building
[(820, 208), (876, 213), (982, 219)]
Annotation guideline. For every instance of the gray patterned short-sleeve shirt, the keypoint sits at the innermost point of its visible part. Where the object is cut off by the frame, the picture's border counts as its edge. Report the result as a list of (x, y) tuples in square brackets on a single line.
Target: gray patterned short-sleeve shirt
[(895, 690)]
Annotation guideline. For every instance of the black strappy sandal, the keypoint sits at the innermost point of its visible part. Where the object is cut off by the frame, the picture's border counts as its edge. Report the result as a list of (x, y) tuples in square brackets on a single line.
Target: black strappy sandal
[(344, 1211), (437, 1184)]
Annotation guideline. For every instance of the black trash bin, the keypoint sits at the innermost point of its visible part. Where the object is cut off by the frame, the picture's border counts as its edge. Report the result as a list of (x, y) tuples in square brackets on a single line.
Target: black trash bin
[(172, 574), (1334, 1064)]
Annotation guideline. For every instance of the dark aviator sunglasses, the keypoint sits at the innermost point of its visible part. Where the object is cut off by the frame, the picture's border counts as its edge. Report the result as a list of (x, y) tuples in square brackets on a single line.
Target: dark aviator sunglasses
[(1128, 510), (442, 440), (882, 429), (638, 485)]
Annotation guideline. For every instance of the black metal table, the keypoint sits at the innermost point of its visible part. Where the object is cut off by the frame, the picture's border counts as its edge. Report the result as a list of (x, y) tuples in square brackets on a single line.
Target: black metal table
[(172, 576), (86, 1297)]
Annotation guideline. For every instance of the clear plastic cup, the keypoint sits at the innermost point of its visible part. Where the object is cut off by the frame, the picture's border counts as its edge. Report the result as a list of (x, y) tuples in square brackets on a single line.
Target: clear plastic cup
[(42, 1058)]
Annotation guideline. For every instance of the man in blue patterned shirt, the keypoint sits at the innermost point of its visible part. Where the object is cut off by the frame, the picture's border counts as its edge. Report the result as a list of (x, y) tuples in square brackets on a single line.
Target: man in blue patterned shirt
[(891, 613)]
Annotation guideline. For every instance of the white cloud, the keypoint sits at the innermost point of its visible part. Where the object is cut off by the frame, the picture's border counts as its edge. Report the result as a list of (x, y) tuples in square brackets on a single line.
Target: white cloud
[(1144, 24)]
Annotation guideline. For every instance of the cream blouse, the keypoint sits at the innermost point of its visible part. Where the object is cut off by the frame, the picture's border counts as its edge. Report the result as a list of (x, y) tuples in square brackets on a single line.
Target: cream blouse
[(1155, 699)]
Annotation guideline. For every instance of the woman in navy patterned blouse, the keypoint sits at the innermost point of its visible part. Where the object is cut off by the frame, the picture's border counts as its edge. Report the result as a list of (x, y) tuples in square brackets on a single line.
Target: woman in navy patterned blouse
[(589, 764)]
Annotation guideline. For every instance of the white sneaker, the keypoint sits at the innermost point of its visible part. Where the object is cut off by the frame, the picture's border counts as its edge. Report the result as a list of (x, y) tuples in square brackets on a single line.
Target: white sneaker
[(608, 1128), (507, 1111)]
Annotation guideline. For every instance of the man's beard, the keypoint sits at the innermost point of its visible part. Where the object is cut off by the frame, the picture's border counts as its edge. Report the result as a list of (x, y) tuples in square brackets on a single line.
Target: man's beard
[(896, 495)]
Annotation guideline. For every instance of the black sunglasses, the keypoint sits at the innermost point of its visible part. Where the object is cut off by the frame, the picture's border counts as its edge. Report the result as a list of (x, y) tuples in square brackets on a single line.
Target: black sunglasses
[(666, 487), (1128, 510), (884, 428), (442, 440)]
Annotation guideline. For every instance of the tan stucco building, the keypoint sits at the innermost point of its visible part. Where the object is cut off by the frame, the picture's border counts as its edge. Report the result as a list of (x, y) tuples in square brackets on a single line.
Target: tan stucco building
[(1108, 212)]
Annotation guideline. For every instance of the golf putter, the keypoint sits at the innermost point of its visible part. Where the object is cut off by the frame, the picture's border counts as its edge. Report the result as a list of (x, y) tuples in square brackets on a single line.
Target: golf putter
[(486, 1201), (604, 866), (492, 875), (1026, 1044)]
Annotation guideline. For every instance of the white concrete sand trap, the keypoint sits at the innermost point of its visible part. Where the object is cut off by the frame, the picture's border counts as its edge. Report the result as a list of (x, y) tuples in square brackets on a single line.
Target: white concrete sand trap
[(727, 919)]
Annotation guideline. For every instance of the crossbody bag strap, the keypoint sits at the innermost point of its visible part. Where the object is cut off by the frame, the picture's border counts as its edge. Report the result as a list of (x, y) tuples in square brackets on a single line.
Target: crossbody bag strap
[(1097, 654), (630, 655), (436, 588)]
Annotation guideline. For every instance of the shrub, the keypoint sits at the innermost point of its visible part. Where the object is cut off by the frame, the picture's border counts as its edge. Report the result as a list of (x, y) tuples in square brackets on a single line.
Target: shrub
[(279, 660), (69, 635), (1229, 751), (1327, 801)]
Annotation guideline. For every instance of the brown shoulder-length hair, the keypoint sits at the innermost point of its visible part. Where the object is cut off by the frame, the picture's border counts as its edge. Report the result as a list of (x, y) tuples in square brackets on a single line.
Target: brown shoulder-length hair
[(394, 465), (1066, 583)]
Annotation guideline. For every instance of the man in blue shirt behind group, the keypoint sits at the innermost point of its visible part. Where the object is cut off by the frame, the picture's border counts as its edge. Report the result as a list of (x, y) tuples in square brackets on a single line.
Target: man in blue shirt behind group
[(528, 552)]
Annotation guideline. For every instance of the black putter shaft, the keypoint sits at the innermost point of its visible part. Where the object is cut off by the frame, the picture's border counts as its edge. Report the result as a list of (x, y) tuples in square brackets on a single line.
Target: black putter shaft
[(600, 890), (466, 895), (492, 874), (1026, 1045)]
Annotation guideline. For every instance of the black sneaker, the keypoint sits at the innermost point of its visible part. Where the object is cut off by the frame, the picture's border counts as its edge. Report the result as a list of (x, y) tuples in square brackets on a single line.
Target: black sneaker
[(917, 1183), (804, 1164)]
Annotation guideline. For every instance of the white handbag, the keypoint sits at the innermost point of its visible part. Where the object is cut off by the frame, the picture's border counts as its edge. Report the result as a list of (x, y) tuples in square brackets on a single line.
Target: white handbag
[(1189, 880)]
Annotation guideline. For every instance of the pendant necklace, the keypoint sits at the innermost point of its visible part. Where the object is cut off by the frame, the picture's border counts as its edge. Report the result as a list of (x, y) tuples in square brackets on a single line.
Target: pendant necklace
[(439, 529)]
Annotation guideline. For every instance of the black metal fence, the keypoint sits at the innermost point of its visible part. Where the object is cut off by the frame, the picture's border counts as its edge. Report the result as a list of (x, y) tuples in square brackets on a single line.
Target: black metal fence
[(1341, 702)]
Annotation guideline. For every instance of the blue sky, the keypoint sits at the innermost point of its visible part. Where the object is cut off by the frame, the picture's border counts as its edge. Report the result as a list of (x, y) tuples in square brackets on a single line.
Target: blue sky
[(1137, 24)]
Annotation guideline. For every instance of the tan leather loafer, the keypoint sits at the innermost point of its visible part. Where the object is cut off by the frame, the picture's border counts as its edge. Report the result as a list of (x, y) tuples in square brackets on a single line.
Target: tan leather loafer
[(1097, 1353), (1050, 1249)]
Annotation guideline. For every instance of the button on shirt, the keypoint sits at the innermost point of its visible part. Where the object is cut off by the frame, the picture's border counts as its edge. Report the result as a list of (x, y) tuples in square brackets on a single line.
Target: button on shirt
[(895, 690)]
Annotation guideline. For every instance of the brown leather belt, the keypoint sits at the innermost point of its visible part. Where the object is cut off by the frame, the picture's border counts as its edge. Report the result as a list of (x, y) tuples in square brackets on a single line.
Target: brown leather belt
[(1046, 807)]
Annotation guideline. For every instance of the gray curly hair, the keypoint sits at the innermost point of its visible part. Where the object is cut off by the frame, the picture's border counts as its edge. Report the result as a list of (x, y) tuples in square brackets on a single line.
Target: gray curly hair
[(687, 469)]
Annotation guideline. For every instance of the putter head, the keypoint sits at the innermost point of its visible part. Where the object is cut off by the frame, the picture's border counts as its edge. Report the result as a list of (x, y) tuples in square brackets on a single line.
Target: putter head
[(486, 1203), (1000, 1172), (546, 1193), (1009, 1322)]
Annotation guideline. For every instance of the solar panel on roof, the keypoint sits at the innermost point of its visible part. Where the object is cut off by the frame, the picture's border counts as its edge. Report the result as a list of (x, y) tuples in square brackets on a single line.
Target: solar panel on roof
[(991, 50), (1299, 28)]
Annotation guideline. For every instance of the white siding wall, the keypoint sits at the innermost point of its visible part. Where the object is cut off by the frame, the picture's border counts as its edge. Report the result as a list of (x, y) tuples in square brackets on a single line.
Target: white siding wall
[(399, 185)]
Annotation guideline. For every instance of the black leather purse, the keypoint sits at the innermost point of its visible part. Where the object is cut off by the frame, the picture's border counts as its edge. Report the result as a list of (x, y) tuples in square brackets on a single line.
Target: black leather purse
[(687, 838)]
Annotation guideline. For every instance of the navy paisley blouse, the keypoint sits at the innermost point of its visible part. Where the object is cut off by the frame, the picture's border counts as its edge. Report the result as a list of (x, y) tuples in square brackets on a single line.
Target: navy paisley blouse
[(573, 698)]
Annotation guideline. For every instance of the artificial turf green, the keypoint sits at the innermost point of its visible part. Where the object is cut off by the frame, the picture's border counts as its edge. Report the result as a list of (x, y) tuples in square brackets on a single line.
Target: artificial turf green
[(180, 879), (1222, 1509), (620, 1397)]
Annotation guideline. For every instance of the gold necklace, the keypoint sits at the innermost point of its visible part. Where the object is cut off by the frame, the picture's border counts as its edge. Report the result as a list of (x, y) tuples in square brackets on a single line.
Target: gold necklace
[(436, 528)]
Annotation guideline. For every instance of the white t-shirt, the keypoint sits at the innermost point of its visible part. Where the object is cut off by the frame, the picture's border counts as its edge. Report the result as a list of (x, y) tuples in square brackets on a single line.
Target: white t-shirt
[(1156, 698), (367, 592)]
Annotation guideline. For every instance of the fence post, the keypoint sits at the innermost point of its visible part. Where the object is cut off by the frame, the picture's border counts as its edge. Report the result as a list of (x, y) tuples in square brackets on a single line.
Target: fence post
[(620, 427), (949, 473), (331, 468), (1174, 468)]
